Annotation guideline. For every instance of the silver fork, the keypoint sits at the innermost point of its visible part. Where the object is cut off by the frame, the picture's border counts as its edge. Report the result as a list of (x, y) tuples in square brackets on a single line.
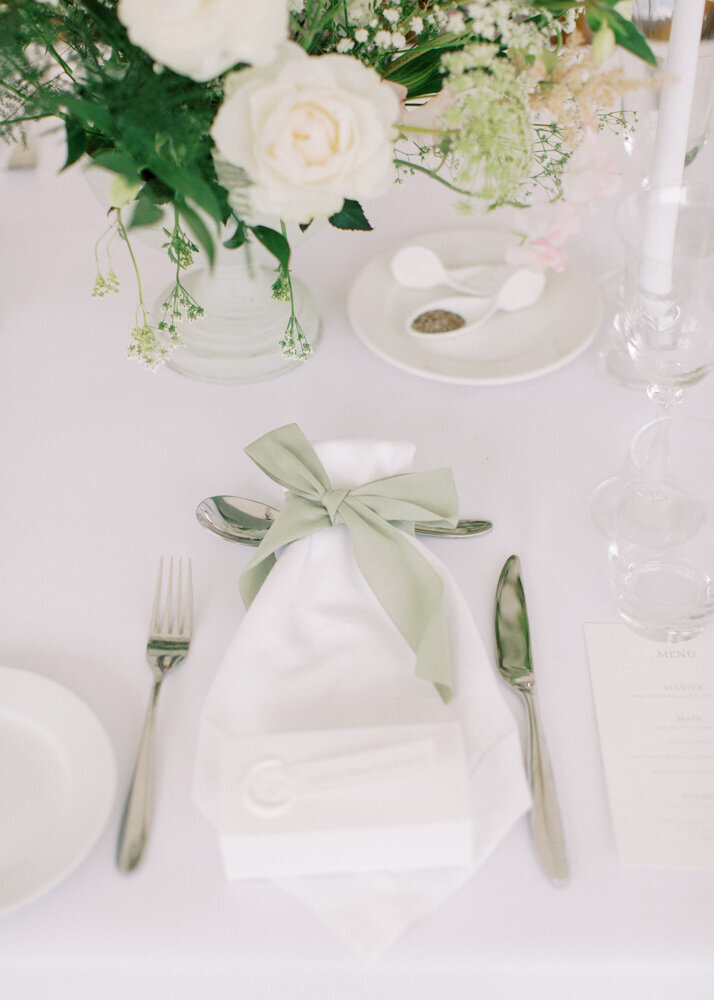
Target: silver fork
[(169, 638)]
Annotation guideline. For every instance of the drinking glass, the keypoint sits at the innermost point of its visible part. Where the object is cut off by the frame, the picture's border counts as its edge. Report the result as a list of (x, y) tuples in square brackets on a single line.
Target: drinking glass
[(668, 296), (658, 516)]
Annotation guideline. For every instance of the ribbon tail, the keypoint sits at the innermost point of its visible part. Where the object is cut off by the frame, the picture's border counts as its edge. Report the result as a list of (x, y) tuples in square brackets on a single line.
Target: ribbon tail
[(433, 657), (408, 588)]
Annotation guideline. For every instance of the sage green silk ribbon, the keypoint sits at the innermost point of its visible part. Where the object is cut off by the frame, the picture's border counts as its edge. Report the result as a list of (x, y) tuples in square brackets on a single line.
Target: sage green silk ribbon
[(377, 515)]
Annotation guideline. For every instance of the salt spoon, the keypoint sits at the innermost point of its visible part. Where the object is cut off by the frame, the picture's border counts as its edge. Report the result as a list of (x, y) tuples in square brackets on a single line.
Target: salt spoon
[(419, 267)]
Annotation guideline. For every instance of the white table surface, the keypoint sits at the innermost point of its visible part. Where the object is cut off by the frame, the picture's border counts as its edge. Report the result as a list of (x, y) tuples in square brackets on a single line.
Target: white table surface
[(102, 467)]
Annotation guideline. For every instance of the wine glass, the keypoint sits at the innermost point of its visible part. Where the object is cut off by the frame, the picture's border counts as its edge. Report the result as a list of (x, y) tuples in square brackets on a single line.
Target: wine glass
[(658, 517), (668, 296)]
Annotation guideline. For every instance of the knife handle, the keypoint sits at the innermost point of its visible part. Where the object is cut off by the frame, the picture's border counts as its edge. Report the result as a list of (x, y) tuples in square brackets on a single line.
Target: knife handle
[(545, 818)]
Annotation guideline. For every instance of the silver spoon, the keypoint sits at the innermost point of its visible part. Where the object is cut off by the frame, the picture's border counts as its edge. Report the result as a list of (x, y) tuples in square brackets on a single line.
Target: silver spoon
[(239, 520)]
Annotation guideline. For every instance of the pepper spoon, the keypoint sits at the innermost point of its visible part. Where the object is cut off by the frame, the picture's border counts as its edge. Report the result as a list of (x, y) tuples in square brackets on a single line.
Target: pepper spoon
[(462, 314), (247, 521)]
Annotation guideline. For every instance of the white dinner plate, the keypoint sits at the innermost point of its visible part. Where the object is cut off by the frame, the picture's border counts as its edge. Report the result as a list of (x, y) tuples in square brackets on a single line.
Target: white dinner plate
[(511, 347), (57, 784)]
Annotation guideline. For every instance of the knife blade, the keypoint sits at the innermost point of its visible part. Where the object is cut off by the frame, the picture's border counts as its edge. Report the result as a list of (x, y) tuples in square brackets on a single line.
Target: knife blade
[(515, 665)]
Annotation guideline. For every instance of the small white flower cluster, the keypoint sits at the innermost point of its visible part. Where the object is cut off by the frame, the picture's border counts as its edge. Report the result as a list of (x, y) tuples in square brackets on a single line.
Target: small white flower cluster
[(496, 20), (385, 27), (360, 12)]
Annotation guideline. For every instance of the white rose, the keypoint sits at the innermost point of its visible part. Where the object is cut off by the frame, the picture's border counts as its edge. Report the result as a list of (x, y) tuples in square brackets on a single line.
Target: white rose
[(309, 131), (204, 38)]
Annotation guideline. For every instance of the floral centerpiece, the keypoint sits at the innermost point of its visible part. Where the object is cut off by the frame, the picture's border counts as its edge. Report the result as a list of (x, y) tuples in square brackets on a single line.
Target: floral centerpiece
[(216, 113)]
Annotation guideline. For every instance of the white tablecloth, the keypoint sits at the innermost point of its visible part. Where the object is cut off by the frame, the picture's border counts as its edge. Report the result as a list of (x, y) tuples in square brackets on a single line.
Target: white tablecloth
[(102, 468)]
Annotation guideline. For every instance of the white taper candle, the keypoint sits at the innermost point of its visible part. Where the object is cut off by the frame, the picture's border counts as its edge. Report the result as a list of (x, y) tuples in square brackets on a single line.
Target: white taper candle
[(670, 148)]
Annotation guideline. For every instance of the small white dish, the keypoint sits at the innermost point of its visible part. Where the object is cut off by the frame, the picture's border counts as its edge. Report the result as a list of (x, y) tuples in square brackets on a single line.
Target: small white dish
[(510, 347), (57, 784)]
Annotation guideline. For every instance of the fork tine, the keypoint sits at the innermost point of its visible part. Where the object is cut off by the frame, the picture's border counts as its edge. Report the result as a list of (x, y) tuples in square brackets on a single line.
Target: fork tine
[(167, 627), (173, 610), (188, 614), (175, 624)]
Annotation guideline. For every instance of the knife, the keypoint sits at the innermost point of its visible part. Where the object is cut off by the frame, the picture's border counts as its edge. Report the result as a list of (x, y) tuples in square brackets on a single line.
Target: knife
[(514, 663)]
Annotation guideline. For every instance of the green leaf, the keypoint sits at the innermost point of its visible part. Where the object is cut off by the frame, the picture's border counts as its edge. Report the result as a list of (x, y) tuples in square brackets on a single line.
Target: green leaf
[(627, 35), (91, 114), (120, 163), (350, 216), (274, 242), (422, 75), (76, 142), (188, 184), (199, 229), (238, 238), (146, 212)]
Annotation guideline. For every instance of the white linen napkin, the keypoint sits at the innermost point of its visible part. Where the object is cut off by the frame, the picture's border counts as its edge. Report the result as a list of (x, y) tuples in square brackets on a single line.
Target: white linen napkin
[(315, 651)]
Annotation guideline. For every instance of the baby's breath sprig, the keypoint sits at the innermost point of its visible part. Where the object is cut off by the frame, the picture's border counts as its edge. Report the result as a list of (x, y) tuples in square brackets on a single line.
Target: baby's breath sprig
[(179, 247), (294, 344), (282, 285), (551, 153), (179, 303), (146, 345), (619, 122)]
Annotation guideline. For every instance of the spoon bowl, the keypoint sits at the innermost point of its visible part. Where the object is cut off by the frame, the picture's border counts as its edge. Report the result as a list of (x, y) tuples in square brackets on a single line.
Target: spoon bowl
[(247, 521)]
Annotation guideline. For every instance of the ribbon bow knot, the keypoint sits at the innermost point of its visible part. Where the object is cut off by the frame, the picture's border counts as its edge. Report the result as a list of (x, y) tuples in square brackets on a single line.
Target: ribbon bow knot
[(376, 514), (332, 501)]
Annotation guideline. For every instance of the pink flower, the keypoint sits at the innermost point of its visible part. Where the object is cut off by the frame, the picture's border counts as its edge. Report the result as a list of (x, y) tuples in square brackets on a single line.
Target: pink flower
[(544, 230), (538, 255)]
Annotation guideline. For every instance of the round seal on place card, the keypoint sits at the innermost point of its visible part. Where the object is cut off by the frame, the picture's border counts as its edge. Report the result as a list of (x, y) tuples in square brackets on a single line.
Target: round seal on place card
[(269, 787)]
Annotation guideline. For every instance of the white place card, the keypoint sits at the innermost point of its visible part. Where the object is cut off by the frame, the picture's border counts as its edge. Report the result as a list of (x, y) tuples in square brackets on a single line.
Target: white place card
[(655, 712), (348, 800)]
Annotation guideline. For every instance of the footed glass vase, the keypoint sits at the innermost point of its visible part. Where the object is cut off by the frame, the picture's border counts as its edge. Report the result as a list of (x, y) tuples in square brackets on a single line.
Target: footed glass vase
[(238, 337)]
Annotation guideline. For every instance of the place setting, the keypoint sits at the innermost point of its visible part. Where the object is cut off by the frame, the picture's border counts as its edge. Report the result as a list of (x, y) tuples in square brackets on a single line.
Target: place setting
[(356, 746)]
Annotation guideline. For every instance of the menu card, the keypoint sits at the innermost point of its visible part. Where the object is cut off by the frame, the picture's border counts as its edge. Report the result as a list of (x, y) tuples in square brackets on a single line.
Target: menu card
[(655, 712)]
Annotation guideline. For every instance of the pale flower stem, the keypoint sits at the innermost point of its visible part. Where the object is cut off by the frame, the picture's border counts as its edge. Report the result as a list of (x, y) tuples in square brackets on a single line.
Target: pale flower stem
[(284, 231), (293, 345), (123, 233), (432, 173), (175, 232), (96, 245)]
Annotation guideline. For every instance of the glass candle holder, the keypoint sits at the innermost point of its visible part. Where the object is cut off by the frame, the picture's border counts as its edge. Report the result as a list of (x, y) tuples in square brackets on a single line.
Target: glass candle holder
[(667, 315), (658, 517)]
